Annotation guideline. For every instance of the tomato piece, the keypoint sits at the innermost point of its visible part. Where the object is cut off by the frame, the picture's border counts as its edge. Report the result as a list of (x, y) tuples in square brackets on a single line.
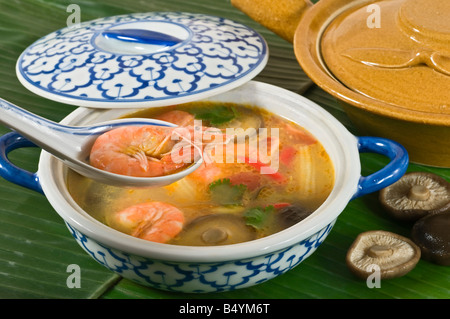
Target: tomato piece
[(249, 179), (277, 176), (287, 155)]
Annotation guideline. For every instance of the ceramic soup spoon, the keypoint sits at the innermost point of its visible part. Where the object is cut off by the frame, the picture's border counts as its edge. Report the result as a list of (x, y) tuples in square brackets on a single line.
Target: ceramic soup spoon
[(72, 144)]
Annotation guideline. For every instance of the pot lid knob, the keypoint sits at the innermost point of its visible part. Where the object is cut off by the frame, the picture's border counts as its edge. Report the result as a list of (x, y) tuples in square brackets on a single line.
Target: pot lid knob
[(135, 41), (426, 21)]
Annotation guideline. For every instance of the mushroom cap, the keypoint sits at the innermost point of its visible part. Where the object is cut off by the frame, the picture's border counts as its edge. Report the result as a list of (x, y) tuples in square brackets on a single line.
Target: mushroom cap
[(415, 195), (246, 118), (292, 214), (432, 234), (395, 255), (215, 229), (246, 123)]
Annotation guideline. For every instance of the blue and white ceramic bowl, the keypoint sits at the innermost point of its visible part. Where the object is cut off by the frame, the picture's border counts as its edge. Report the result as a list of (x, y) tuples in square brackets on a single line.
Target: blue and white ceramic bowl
[(220, 268)]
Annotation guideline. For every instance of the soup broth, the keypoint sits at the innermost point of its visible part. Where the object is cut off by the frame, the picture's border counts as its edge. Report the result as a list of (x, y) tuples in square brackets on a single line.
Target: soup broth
[(270, 175)]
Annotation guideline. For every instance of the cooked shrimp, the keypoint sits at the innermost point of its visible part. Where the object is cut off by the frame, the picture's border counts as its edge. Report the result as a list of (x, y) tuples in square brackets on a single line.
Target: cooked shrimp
[(152, 221), (148, 151), (180, 118), (208, 173)]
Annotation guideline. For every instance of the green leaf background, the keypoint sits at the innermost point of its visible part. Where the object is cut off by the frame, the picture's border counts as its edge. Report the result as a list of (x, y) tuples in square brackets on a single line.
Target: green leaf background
[(36, 248)]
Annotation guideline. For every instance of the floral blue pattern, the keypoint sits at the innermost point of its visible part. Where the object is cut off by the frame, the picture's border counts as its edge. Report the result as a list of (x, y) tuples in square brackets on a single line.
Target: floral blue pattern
[(75, 64), (201, 277)]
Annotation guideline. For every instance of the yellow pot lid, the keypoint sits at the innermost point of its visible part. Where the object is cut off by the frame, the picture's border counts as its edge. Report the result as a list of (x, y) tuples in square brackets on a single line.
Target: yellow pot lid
[(396, 52)]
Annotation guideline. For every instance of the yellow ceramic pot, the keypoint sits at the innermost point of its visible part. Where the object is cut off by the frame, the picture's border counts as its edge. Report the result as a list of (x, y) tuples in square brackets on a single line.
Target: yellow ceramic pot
[(387, 62)]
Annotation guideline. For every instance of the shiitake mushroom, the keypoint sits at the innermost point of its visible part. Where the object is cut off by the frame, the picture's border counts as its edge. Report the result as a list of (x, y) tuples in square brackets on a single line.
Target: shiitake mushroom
[(416, 195), (215, 229), (395, 255), (291, 215), (432, 234), (246, 123)]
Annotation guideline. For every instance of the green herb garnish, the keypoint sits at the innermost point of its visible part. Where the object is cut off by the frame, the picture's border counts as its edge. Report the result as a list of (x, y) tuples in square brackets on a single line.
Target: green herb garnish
[(225, 193), (216, 115), (258, 217)]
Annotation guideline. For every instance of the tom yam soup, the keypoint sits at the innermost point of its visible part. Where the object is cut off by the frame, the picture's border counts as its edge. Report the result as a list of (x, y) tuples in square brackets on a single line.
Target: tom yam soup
[(261, 173)]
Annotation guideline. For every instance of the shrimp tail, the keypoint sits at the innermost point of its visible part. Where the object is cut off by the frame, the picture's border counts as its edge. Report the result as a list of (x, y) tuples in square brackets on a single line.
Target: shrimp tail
[(141, 157)]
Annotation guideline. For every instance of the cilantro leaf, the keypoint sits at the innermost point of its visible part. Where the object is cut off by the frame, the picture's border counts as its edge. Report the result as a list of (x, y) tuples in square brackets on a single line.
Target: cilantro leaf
[(225, 193), (257, 217), (216, 115)]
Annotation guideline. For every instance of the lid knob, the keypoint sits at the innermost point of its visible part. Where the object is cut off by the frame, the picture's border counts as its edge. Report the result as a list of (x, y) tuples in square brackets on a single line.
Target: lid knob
[(141, 36), (426, 21), (137, 40)]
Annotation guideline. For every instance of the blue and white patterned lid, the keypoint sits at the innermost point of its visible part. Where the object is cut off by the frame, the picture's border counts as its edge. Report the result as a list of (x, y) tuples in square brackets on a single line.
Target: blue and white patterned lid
[(142, 60)]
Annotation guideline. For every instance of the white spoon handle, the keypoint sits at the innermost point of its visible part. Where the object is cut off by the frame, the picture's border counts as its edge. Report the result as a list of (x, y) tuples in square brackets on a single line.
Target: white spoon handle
[(51, 136)]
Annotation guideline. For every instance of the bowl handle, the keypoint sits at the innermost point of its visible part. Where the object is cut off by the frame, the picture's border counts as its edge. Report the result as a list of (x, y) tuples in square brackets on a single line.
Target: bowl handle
[(388, 175), (8, 170)]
